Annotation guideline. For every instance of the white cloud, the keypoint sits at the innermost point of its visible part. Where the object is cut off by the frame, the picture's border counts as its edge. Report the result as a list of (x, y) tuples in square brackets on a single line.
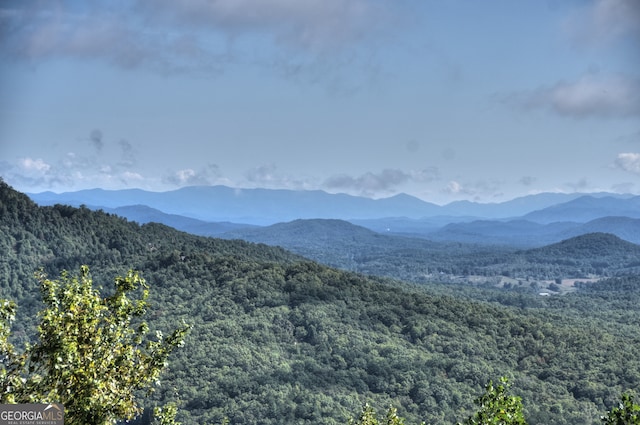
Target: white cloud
[(453, 187), (603, 22), (182, 177), (589, 96), (34, 165), (128, 176), (268, 176), (385, 182), (93, 163), (481, 190), (628, 162), (205, 176), (32, 173)]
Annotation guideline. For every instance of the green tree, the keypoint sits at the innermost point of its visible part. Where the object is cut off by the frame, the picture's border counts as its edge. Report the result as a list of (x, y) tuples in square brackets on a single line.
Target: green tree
[(497, 407), (626, 413), (368, 417), (93, 353), (11, 364)]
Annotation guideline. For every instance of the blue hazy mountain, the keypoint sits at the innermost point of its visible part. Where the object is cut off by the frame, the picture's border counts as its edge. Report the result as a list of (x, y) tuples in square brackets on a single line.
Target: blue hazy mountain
[(342, 244), (514, 232), (587, 208), (522, 205), (415, 227), (213, 210), (592, 247), (345, 245), (623, 227), (255, 206), (528, 233), (143, 214), (268, 206)]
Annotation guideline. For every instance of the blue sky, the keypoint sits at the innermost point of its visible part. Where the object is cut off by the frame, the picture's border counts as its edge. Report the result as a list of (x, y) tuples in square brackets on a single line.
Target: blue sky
[(443, 100)]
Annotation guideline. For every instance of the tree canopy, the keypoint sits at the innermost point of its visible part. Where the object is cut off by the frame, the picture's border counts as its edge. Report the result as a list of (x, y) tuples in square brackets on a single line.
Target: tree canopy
[(93, 354)]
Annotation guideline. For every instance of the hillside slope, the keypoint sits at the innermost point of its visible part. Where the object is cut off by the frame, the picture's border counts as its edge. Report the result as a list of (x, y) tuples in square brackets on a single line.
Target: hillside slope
[(143, 214), (593, 253), (350, 247)]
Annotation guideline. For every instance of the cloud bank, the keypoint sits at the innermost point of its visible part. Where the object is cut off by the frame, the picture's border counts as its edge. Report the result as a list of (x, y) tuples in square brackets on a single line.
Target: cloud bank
[(385, 182), (476, 190), (208, 175), (590, 96), (597, 25), (175, 36), (629, 162), (94, 161), (604, 22)]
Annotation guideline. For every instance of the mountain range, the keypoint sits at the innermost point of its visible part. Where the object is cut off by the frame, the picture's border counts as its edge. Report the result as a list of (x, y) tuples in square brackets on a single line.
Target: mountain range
[(528, 221), (268, 206), (342, 244)]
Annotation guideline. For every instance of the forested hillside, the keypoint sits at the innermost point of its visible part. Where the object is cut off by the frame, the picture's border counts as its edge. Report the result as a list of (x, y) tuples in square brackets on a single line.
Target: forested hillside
[(278, 339), (350, 247)]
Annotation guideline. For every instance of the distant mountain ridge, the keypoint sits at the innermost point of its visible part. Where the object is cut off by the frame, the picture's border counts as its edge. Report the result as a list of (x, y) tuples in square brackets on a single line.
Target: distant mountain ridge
[(342, 244), (522, 205), (330, 241), (528, 233), (253, 206), (592, 246), (269, 206), (143, 214), (587, 208)]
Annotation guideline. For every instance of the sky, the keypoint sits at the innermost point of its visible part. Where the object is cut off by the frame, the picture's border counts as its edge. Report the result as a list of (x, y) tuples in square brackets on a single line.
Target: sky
[(443, 100)]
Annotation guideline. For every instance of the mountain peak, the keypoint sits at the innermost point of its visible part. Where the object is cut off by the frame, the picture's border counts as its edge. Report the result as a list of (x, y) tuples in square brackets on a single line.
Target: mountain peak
[(590, 246)]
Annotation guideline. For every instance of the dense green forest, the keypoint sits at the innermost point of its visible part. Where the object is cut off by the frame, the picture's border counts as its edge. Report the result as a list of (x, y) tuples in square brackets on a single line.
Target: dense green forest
[(278, 339), (354, 248)]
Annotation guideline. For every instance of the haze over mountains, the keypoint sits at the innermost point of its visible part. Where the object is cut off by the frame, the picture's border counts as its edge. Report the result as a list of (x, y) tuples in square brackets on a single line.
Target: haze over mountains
[(268, 206), (253, 206), (533, 220)]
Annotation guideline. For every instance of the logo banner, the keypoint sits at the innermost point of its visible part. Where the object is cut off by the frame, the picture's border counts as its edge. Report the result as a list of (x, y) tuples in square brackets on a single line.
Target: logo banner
[(32, 414)]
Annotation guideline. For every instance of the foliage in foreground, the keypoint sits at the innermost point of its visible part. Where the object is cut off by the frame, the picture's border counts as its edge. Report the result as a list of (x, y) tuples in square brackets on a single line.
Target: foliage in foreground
[(497, 407), (368, 417), (92, 356), (626, 413)]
